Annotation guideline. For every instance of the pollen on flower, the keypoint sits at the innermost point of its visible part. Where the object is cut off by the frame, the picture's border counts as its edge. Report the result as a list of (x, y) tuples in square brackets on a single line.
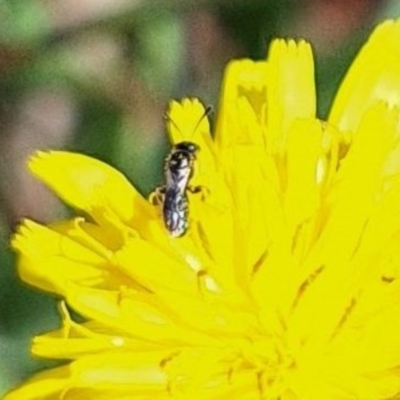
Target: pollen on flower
[(284, 286)]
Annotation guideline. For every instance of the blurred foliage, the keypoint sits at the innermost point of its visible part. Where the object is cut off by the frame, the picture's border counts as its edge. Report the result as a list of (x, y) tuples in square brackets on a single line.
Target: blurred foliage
[(97, 80)]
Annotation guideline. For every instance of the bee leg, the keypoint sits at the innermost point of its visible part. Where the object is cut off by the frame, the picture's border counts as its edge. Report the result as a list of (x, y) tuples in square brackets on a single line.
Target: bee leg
[(156, 197), (199, 189)]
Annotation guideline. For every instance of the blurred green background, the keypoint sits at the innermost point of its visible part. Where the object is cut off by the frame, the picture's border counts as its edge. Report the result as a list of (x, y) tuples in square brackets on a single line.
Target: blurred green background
[(96, 77)]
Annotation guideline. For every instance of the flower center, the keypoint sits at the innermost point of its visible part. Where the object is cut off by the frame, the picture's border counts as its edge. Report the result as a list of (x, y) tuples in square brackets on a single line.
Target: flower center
[(269, 359)]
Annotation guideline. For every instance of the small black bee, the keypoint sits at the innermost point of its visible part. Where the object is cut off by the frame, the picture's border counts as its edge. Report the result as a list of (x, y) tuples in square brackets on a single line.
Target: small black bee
[(178, 170)]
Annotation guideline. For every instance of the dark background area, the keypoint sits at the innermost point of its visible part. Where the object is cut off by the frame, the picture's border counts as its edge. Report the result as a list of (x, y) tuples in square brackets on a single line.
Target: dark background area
[(96, 76)]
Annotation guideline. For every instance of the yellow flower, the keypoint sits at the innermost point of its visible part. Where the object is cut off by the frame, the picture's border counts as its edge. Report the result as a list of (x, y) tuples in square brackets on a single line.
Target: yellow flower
[(286, 285)]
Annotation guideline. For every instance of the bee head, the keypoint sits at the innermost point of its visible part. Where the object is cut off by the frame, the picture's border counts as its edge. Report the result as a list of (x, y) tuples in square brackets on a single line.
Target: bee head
[(182, 155), (188, 147)]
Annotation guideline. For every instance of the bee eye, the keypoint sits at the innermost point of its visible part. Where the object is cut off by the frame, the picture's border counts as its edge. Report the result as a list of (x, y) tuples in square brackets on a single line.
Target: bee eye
[(193, 148)]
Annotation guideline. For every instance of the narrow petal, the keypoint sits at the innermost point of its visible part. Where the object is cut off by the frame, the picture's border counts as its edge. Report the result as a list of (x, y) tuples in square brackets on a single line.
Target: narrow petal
[(76, 340), (244, 80), (187, 121), (46, 385), (374, 76), (49, 259), (304, 149), (291, 89), (138, 315), (91, 186), (358, 183), (155, 269), (335, 253), (250, 174), (113, 373)]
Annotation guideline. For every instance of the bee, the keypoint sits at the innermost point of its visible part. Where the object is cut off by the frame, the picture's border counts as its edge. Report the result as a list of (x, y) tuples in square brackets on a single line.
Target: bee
[(178, 171)]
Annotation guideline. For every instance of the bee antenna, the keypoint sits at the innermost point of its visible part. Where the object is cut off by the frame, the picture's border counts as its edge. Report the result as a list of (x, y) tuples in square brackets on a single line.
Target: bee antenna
[(209, 109), (169, 119), (206, 113)]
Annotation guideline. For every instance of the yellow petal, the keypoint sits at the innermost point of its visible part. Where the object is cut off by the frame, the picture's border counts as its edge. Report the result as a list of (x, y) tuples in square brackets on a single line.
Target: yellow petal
[(91, 186), (49, 260), (334, 255), (291, 91), (46, 385), (111, 372), (244, 82), (374, 76), (358, 183), (138, 315), (303, 152), (187, 121), (154, 269), (76, 340)]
